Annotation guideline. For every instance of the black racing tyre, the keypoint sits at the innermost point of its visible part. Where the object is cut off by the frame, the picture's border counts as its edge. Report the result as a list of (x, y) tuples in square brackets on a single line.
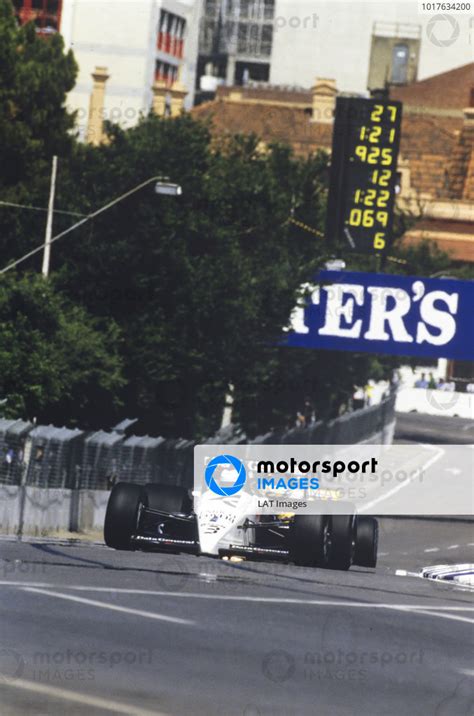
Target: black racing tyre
[(367, 533), (308, 540), (168, 498), (122, 512), (341, 542)]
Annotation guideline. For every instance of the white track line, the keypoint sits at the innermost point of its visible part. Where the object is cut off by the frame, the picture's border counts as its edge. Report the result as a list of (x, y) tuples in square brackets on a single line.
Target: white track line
[(405, 483), (223, 597), (432, 549), (455, 617), (112, 607), (82, 698)]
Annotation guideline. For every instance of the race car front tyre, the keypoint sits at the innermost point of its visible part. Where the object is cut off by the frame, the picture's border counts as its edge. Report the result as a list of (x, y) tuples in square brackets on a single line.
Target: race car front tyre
[(341, 543), (366, 542), (121, 517), (167, 498), (309, 540)]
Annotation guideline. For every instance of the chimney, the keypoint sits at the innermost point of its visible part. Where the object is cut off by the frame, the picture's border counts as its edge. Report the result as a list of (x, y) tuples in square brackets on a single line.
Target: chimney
[(178, 92), (95, 129), (323, 100), (160, 92)]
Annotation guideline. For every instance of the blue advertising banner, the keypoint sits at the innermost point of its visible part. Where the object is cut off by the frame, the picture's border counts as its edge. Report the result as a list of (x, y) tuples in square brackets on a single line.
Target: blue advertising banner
[(381, 313)]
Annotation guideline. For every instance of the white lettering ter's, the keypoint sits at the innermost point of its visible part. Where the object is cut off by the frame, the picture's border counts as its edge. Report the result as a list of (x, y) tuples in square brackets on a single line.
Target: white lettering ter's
[(335, 308), (442, 320), (297, 323), (379, 314)]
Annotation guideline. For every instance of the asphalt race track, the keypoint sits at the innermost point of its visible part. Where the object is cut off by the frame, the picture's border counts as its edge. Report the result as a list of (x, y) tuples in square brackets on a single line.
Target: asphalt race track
[(87, 630)]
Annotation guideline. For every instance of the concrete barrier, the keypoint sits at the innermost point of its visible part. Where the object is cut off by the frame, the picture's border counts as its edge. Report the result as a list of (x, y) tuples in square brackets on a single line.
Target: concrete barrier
[(9, 508), (47, 510), (435, 402)]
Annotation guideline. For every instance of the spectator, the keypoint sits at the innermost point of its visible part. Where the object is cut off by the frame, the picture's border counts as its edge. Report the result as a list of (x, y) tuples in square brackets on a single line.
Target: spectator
[(432, 384), (470, 388), (308, 411), (300, 420), (421, 382), (358, 399), (369, 392)]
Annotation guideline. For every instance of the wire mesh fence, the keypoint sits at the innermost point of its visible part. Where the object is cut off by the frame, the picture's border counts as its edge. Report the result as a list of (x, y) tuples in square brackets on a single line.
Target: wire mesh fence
[(48, 456)]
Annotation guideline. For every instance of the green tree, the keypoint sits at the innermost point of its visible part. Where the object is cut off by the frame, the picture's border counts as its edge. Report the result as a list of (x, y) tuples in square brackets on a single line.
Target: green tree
[(197, 283), (57, 363), (35, 77)]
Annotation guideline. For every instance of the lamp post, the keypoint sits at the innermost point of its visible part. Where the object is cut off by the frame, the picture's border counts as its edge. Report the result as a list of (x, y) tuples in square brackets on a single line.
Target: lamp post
[(162, 186), (49, 220)]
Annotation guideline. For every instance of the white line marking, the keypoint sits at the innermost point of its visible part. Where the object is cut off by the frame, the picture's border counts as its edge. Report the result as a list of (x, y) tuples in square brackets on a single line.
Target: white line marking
[(432, 549), (405, 573), (222, 597), (112, 607), (83, 698), (444, 616), (470, 544), (453, 546), (405, 483)]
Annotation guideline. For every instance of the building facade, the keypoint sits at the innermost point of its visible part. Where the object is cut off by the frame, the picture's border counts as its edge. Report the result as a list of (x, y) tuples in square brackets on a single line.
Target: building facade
[(122, 48), (235, 43), (361, 45), (334, 38), (46, 14)]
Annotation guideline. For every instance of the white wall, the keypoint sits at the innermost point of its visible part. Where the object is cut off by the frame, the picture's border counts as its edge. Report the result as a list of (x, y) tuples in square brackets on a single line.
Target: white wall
[(51, 510), (435, 402), (121, 35), (332, 38)]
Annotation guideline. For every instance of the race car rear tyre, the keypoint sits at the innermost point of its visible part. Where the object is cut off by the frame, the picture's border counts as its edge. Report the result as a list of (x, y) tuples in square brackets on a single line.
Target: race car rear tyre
[(341, 543), (367, 530), (309, 540), (167, 498), (122, 513)]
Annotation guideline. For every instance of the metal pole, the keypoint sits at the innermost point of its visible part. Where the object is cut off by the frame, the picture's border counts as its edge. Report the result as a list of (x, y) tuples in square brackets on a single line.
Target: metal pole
[(80, 223), (49, 221)]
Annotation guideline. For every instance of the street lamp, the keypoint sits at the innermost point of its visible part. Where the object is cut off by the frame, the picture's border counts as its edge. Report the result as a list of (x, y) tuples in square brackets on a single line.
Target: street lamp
[(162, 186), (334, 264), (168, 189)]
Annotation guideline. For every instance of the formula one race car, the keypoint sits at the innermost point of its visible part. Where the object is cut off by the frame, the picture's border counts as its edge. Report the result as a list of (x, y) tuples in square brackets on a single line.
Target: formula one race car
[(161, 517)]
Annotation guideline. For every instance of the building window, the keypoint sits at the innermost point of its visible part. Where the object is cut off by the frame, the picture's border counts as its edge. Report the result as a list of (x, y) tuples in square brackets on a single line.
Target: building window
[(46, 14), (165, 72), (400, 64), (171, 29)]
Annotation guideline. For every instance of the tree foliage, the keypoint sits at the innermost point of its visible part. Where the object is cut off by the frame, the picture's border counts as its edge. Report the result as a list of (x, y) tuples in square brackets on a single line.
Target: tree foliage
[(56, 362)]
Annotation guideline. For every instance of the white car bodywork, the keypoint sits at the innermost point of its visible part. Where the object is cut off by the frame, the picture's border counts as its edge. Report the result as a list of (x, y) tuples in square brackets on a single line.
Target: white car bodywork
[(219, 519)]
